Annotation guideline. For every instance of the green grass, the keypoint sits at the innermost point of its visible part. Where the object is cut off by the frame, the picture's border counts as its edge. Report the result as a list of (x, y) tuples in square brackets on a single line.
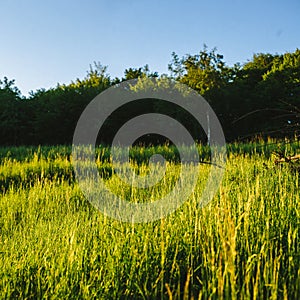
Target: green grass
[(243, 245)]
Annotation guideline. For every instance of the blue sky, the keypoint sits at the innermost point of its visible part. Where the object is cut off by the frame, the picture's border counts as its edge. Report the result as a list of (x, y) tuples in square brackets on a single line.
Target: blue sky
[(45, 42)]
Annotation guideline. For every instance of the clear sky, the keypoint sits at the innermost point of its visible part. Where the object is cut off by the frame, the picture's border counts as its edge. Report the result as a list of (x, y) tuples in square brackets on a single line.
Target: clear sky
[(51, 41)]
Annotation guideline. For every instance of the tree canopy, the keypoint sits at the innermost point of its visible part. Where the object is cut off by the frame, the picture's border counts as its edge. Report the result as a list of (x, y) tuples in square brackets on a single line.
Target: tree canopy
[(260, 97)]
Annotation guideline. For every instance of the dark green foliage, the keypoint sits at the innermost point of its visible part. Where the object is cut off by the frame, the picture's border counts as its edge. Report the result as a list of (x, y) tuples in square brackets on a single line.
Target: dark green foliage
[(259, 98)]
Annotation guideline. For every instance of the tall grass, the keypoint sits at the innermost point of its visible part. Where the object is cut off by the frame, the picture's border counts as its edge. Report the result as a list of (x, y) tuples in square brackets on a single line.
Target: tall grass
[(243, 245)]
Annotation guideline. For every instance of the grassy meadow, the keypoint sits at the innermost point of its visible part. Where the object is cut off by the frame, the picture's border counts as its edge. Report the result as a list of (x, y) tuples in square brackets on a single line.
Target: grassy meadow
[(245, 244)]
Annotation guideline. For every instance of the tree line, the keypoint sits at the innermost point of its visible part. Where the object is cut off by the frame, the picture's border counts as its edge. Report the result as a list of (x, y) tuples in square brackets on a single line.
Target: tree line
[(258, 98)]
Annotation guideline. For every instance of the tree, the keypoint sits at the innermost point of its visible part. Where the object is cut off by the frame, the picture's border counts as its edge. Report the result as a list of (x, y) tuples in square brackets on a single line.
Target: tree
[(134, 73), (202, 72), (58, 109), (11, 115)]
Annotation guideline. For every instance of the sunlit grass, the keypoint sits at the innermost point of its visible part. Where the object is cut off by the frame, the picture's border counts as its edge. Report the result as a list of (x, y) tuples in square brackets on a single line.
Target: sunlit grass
[(243, 245)]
